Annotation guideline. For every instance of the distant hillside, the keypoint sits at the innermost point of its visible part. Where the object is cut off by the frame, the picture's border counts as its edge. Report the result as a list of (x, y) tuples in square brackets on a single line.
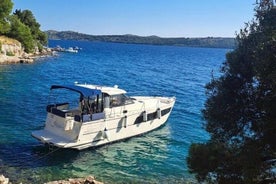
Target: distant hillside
[(212, 42)]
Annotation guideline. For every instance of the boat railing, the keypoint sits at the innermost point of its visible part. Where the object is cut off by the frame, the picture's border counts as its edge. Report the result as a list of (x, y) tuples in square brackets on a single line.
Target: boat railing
[(94, 116), (89, 117)]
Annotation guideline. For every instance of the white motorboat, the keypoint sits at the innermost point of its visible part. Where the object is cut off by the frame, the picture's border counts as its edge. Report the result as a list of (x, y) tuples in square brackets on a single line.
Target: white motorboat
[(99, 116), (70, 49)]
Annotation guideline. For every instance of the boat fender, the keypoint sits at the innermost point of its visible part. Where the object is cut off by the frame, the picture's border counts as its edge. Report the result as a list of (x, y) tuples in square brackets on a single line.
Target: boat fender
[(158, 113), (105, 134), (125, 121), (145, 116)]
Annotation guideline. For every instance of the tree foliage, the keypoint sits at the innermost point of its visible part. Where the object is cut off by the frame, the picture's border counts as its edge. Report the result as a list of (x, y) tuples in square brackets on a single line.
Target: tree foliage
[(27, 18), (240, 109), (22, 26), (22, 33), (5, 10)]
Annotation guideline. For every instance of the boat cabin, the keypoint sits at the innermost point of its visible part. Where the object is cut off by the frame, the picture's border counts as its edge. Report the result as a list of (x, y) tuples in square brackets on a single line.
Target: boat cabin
[(88, 103)]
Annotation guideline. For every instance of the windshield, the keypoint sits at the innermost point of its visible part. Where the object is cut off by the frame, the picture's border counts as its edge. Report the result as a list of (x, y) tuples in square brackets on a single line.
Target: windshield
[(118, 100)]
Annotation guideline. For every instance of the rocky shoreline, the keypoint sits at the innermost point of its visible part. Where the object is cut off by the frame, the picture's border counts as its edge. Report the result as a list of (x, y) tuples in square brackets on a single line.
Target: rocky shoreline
[(25, 58), (11, 52), (86, 180)]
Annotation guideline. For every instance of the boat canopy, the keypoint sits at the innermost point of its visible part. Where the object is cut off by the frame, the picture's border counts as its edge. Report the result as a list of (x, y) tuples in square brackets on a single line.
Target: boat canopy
[(86, 92)]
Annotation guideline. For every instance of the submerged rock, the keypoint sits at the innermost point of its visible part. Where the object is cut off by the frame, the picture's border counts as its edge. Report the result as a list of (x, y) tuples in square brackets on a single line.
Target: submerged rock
[(87, 180), (4, 180)]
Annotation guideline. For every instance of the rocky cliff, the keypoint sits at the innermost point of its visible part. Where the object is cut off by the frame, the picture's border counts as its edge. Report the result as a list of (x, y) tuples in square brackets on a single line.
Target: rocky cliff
[(11, 51)]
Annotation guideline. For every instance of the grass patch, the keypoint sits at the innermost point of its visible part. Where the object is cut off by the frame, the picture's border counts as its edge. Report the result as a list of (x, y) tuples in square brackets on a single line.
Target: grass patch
[(8, 41)]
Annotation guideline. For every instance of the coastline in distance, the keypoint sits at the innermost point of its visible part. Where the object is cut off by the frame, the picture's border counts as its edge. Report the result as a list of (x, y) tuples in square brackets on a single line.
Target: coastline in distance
[(210, 42)]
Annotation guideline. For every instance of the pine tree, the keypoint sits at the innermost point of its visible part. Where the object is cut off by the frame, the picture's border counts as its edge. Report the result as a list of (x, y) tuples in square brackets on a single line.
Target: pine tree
[(240, 109)]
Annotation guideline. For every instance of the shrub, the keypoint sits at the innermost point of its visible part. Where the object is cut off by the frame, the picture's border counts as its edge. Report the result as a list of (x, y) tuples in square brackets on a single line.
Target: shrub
[(9, 53)]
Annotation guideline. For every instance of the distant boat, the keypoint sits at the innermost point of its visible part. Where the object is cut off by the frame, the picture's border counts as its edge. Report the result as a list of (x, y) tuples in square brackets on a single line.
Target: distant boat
[(60, 49), (102, 115), (70, 49)]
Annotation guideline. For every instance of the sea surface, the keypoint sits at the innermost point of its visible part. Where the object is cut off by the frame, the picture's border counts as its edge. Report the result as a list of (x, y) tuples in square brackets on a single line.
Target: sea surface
[(155, 157)]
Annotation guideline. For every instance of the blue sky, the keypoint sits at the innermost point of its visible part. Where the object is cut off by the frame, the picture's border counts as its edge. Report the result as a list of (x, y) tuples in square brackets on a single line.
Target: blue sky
[(165, 18)]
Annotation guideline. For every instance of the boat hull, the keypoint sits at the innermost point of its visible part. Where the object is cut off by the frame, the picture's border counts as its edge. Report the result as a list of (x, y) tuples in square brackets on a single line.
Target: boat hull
[(102, 131), (97, 133), (67, 129)]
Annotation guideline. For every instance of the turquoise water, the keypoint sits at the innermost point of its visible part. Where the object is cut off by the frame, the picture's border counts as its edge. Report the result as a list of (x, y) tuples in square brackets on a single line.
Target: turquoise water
[(158, 156)]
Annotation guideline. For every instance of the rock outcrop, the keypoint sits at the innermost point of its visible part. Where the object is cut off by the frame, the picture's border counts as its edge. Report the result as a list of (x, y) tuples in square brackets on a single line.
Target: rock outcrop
[(87, 180), (11, 51), (4, 180)]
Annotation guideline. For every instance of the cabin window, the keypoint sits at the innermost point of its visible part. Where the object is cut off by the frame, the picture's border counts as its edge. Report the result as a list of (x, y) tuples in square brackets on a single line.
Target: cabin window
[(128, 100), (106, 102), (165, 111), (93, 104), (119, 100), (99, 103), (87, 105)]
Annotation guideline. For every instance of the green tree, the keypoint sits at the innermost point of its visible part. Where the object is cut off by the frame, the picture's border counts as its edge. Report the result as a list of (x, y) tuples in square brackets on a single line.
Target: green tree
[(240, 109), (5, 10), (22, 33), (27, 18)]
